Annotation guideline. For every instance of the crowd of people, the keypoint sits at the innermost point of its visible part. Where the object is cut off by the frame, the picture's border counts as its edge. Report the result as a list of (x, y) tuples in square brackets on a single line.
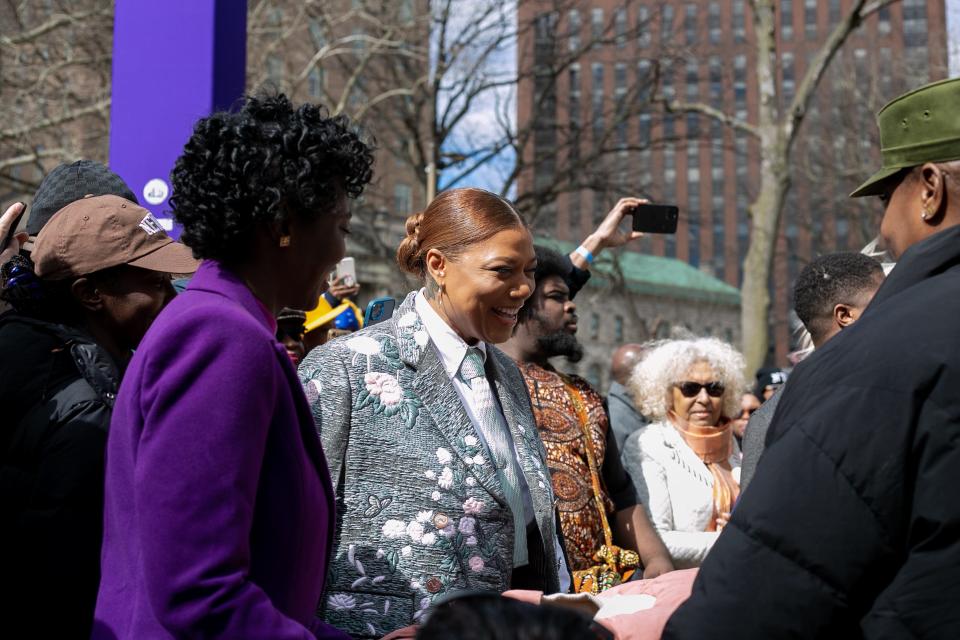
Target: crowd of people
[(202, 439)]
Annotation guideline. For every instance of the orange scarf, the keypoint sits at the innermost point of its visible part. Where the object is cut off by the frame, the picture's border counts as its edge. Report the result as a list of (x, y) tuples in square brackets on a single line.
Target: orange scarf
[(713, 445)]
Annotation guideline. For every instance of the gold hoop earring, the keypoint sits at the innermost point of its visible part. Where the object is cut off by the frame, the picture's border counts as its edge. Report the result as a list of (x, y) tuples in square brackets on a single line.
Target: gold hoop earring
[(284, 241)]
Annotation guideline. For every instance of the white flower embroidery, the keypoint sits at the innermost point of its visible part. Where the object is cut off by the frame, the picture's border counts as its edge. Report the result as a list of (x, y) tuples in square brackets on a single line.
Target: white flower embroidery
[(471, 441), (473, 507), (471, 481), (435, 496), (476, 563), (394, 528), (428, 539), (408, 320), (431, 474), (365, 345), (424, 516), (536, 463), (421, 337), (467, 526), (541, 485), (472, 541), (446, 478), (407, 551), (479, 459), (341, 602), (380, 554), (444, 455), (415, 531), (384, 386)]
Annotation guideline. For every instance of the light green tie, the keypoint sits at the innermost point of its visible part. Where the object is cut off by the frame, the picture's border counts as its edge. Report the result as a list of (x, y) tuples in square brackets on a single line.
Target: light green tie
[(500, 445)]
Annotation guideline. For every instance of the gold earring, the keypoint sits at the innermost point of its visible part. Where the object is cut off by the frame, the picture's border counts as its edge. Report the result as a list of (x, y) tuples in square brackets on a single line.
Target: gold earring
[(284, 241)]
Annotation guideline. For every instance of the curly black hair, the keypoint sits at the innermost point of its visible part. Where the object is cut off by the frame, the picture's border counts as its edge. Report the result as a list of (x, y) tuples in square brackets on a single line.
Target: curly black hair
[(263, 164)]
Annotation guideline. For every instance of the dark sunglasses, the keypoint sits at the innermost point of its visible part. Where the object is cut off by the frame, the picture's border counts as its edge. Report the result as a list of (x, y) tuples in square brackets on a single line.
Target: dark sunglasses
[(692, 389)]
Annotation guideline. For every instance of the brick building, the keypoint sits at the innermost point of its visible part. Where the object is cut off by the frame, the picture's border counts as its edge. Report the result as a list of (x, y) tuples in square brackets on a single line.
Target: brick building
[(703, 51)]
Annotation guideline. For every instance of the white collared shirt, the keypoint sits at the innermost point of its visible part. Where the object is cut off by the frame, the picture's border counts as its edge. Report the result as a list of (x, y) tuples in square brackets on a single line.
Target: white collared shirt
[(452, 349)]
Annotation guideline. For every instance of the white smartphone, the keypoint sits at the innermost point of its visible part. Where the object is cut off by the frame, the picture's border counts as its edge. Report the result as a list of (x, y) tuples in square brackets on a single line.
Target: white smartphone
[(347, 269)]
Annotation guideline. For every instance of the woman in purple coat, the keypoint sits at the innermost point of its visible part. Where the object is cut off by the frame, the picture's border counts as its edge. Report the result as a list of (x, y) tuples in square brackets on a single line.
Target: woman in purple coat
[(219, 511)]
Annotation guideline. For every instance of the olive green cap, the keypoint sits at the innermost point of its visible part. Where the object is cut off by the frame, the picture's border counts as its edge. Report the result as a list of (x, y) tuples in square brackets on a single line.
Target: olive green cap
[(920, 126)]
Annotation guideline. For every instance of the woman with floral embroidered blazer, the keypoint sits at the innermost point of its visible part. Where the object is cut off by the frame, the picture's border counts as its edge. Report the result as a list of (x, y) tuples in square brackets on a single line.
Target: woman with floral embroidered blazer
[(686, 464), (429, 431)]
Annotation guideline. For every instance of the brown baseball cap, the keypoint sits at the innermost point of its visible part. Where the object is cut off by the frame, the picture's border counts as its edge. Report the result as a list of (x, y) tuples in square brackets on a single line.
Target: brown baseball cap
[(99, 232)]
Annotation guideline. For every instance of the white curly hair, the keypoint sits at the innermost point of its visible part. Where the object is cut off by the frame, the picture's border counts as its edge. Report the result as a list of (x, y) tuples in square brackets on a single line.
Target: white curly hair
[(667, 364)]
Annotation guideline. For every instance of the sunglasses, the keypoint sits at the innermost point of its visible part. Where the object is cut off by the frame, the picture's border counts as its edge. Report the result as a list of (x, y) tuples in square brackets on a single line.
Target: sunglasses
[(692, 389)]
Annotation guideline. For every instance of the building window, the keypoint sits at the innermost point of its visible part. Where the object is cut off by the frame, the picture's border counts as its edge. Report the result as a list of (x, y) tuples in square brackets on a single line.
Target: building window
[(739, 18), (715, 79), (317, 34), (810, 19), (596, 100), (618, 328), (915, 23), (643, 26), (596, 23), (670, 191), (275, 70), (713, 22), (693, 202), (789, 85), (315, 82), (692, 80), (573, 18), (666, 23), (594, 375), (740, 86), (883, 20), (620, 97), (690, 23), (644, 79), (405, 13), (402, 199), (786, 19), (833, 9), (594, 326), (573, 75), (620, 27)]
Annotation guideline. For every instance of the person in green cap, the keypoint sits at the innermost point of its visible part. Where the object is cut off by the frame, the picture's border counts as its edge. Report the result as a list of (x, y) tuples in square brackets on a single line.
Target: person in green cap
[(851, 527)]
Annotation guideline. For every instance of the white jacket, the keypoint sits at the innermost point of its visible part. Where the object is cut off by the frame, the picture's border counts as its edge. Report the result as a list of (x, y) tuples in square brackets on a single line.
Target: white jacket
[(676, 489)]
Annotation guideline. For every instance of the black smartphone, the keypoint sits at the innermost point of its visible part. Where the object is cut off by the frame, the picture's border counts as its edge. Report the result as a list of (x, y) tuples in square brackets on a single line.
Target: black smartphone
[(13, 230), (378, 310), (655, 218)]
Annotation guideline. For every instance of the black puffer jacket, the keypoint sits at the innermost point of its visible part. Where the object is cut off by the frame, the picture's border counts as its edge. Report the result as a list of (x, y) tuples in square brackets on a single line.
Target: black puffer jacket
[(851, 526), (56, 396)]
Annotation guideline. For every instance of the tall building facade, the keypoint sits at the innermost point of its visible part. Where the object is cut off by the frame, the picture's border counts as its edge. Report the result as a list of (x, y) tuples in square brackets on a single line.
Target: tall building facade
[(704, 52)]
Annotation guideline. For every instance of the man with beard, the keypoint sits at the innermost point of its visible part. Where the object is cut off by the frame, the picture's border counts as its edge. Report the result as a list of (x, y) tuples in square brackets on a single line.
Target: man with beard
[(596, 501)]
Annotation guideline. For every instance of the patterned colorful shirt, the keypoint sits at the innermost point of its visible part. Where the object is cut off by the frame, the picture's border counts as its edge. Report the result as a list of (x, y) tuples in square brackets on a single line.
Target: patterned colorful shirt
[(562, 435)]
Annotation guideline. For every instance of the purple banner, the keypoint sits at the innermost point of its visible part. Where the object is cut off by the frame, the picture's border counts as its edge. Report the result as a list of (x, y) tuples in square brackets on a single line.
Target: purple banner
[(173, 63)]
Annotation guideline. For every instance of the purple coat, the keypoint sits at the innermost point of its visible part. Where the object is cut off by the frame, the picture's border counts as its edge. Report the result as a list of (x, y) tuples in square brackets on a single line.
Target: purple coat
[(219, 512)]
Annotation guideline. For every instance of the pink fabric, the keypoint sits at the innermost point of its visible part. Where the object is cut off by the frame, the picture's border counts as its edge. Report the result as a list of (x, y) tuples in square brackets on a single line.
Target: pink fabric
[(670, 590)]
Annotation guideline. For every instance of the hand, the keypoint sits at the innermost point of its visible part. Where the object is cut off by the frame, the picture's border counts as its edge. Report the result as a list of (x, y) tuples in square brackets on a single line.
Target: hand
[(341, 291), (608, 234), (657, 565), (7, 221)]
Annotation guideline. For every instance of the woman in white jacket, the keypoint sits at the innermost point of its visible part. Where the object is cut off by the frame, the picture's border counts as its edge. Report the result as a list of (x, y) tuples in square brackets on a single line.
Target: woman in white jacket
[(686, 464)]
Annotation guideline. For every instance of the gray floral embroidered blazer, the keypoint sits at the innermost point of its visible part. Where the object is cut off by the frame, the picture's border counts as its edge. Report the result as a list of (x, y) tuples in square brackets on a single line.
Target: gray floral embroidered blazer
[(421, 510)]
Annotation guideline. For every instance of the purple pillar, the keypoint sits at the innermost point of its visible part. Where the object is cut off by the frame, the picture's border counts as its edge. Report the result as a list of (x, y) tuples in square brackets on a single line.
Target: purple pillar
[(173, 62)]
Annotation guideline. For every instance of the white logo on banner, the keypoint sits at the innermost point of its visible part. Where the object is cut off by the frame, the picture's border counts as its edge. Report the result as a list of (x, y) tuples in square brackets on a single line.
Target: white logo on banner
[(156, 191), (151, 225)]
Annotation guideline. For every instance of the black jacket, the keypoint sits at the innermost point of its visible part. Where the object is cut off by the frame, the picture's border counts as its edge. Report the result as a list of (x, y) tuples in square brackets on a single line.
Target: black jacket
[(851, 526), (56, 396)]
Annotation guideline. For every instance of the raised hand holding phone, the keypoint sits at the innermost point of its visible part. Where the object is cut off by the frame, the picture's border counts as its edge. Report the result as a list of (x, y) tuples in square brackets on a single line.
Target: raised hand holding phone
[(607, 234)]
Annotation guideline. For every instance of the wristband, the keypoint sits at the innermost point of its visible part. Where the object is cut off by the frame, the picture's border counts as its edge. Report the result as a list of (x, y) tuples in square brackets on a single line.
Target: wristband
[(585, 254)]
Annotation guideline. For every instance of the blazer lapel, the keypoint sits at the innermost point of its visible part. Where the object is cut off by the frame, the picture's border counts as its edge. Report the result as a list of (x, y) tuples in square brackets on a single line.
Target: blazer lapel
[(439, 398)]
